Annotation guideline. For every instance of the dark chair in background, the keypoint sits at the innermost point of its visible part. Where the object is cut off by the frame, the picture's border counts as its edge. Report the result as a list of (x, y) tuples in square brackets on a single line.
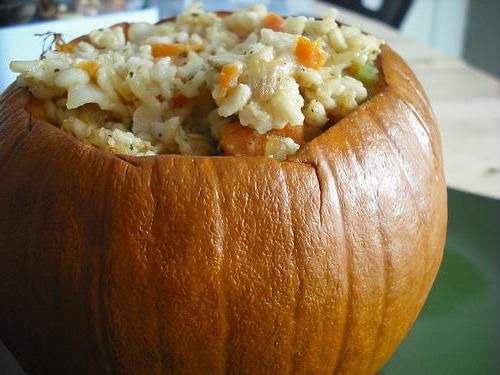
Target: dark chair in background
[(391, 12)]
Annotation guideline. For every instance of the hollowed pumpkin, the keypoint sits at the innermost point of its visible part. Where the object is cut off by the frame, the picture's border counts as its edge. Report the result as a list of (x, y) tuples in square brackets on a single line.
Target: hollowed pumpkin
[(201, 265)]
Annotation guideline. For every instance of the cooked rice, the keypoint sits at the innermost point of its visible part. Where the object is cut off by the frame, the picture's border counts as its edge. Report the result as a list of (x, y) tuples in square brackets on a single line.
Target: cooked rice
[(170, 88)]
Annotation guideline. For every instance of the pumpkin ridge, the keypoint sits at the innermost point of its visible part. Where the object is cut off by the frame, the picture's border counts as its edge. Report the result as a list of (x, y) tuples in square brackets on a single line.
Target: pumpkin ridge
[(11, 116), (348, 268), (295, 256), (385, 257), (19, 144), (225, 337), (411, 107), (95, 300), (103, 294), (316, 173), (32, 252), (401, 167), (397, 156), (128, 160), (397, 71), (8, 96), (160, 362), (364, 117)]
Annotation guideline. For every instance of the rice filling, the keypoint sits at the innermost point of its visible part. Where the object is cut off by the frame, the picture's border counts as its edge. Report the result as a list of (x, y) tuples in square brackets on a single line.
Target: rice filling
[(248, 84)]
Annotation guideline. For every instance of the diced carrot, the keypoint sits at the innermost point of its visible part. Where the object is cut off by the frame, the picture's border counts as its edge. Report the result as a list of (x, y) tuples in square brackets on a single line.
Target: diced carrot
[(309, 53), (239, 140), (273, 21), (172, 49), (178, 101), (162, 50), (180, 60), (294, 132), (35, 108), (91, 66), (228, 79)]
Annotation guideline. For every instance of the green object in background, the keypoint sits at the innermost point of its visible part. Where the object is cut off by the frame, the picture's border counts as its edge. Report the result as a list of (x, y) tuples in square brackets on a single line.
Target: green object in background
[(458, 330)]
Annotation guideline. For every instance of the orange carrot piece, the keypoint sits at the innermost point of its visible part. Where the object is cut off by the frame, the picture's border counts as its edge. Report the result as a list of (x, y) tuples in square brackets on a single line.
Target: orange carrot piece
[(309, 53), (228, 79), (172, 49), (35, 108), (162, 50), (178, 101), (273, 21), (91, 66), (295, 132), (239, 140)]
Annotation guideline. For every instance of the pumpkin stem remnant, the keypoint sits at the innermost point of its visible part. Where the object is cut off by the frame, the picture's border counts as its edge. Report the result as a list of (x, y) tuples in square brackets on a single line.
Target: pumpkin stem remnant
[(49, 37), (61, 46)]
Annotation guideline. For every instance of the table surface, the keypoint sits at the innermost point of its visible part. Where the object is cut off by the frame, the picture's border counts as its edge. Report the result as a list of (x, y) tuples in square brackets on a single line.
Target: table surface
[(466, 102)]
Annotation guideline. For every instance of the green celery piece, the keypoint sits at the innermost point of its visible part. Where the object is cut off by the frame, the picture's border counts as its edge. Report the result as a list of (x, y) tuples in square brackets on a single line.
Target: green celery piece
[(367, 73)]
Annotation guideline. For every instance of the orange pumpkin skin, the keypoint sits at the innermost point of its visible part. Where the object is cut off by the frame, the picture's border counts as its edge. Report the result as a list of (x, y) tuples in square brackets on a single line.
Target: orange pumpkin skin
[(205, 265)]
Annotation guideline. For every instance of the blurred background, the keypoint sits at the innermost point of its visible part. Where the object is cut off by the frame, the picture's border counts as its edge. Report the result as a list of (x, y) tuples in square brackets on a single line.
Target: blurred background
[(465, 29)]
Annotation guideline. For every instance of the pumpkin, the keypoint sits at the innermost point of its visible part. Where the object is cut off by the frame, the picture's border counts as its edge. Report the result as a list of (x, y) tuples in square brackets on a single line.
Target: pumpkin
[(221, 264)]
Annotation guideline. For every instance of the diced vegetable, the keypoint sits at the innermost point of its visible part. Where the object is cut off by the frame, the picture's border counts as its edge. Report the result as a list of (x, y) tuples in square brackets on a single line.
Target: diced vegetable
[(172, 49), (91, 67), (366, 73), (162, 50), (294, 132), (239, 140), (228, 79), (309, 53), (280, 148), (273, 22)]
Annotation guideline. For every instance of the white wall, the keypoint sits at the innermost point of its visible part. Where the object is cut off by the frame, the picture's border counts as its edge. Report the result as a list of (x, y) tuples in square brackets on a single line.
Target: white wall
[(439, 23)]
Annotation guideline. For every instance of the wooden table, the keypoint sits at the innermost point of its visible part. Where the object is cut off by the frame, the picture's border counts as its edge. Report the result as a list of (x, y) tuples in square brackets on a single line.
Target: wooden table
[(465, 100)]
